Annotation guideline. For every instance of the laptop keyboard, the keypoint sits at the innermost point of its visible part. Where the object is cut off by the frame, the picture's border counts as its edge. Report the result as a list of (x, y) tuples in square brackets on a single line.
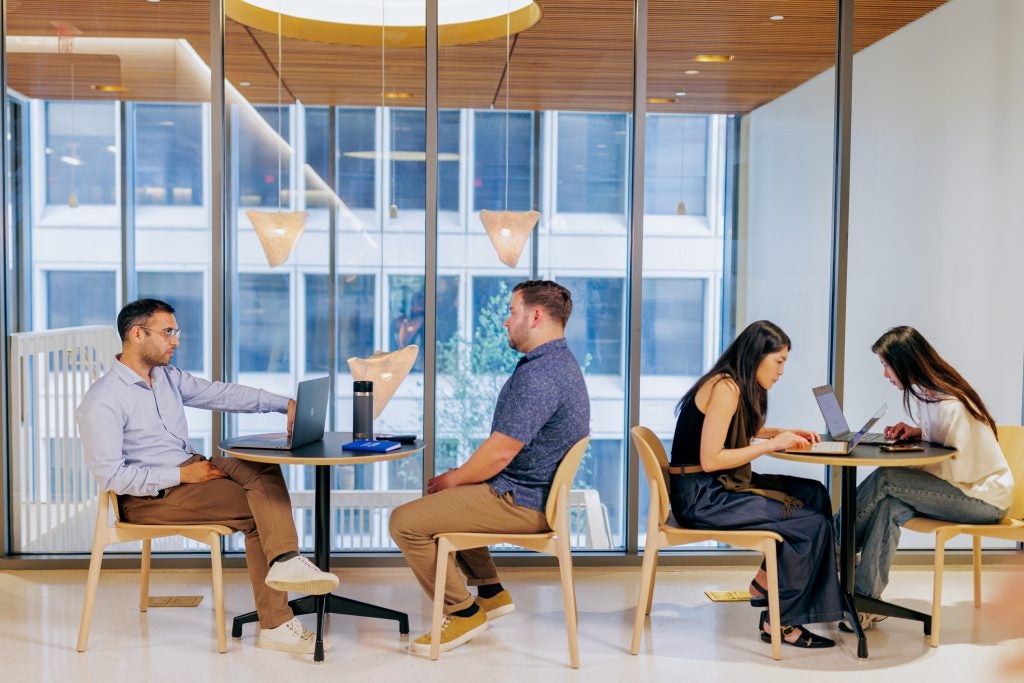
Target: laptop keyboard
[(875, 437)]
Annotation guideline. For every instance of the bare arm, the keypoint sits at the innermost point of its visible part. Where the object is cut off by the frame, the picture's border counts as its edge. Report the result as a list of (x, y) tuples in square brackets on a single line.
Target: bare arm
[(491, 457), (722, 405)]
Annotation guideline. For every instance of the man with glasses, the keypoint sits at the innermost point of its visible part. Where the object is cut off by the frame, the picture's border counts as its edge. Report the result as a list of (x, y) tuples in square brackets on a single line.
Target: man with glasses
[(135, 442)]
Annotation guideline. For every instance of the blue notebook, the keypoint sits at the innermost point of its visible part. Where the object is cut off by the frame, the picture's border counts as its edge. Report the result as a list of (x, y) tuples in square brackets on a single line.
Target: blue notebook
[(371, 446)]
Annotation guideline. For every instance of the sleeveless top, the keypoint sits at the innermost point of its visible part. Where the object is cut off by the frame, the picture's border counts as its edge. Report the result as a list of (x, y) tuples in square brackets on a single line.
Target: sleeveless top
[(686, 441)]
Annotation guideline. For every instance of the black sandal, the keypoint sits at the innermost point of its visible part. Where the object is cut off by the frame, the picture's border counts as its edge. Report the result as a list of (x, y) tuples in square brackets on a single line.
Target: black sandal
[(806, 639), (761, 601)]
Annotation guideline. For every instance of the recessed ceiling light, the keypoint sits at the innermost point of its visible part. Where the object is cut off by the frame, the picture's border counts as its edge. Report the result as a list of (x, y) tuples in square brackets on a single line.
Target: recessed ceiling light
[(398, 95), (109, 88), (153, 1), (691, 72), (660, 100), (244, 84), (713, 58), (776, 17), (680, 94)]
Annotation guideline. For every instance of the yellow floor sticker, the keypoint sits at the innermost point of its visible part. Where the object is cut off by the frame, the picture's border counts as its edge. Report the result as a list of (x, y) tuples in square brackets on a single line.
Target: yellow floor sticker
[(175, 600), (728, 596)]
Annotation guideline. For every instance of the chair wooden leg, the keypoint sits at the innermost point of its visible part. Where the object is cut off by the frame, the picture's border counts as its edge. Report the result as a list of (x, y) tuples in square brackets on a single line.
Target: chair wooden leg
[(977, 571), (216, 568), (91, 585), (940, 560), (772, 573), (569, 599), (444, 548), (147, 547), (647, 571)]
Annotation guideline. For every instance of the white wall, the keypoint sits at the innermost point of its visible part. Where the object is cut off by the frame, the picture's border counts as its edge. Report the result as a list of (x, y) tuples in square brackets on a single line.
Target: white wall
[(936, 237)]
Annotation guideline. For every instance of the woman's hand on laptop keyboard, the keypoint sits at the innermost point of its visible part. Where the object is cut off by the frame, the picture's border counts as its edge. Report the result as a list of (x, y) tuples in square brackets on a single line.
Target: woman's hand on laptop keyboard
[(903, 432)]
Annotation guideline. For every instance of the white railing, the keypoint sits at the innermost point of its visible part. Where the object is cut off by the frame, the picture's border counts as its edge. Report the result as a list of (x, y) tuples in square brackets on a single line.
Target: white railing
[(53, 496)]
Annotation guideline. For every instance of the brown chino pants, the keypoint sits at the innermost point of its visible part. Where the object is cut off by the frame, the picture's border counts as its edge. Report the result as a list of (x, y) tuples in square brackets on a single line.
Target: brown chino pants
[(472, 508), (252, 499)]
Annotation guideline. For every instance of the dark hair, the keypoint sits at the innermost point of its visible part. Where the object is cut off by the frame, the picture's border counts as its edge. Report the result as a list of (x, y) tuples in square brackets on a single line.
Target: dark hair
[(139, 313), (920, 368), (551, 296), (739, 362)]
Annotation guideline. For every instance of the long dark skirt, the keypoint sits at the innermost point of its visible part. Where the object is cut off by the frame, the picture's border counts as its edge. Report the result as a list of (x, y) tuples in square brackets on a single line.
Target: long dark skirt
[(809, 589)]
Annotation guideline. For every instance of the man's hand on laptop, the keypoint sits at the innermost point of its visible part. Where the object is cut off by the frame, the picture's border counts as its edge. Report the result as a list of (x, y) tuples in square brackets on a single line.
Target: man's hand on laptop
[(291, 415), (200, 471)]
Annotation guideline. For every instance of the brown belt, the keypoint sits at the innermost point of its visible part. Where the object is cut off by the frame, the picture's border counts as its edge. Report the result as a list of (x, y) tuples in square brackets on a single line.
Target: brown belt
[(685, 469)]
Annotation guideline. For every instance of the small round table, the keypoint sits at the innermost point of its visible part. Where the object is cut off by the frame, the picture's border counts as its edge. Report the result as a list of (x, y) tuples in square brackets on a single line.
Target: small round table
[(866, 455), (323, 454)]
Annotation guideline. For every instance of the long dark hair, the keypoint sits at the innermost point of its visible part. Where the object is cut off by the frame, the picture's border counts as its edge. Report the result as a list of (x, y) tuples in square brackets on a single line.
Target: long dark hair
[(740, 362), (920, 369)]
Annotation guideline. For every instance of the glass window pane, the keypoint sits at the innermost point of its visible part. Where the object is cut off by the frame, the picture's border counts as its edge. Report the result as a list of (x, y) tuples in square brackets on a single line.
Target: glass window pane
[(260, 160), (591, 163), (357, 145), (595, 328), (356, 306), (264, 327), (673, 336), (183, 291), (675, 164), (80, 152), (169, 154), (489, 351), (67, 307), (406, 310), (408, 166), (489, 160)]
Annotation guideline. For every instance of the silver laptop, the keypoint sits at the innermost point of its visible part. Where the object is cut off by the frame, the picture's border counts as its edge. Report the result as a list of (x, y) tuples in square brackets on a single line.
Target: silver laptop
[(836, 424), (310, 417)]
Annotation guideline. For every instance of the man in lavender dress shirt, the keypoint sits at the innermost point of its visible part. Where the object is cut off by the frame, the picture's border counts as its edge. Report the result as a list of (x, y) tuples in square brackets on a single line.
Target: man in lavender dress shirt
[(542, 411), (135, 441)]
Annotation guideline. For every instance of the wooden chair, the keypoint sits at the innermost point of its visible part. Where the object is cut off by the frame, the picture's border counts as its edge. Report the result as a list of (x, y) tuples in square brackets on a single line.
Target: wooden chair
[(555, 542), (661, 533), (122, 532), (1011, 440)]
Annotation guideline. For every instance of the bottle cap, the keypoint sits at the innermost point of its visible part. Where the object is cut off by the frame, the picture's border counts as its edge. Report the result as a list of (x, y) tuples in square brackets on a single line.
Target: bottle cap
[(362, 386)]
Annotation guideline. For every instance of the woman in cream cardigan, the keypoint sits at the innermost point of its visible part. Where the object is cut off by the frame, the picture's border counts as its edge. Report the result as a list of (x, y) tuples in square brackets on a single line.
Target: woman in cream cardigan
[(973, 487)]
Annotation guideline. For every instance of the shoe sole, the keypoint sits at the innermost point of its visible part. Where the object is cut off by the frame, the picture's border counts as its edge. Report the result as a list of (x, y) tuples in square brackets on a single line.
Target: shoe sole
[(500, 611), (424, 648), (315, 587)]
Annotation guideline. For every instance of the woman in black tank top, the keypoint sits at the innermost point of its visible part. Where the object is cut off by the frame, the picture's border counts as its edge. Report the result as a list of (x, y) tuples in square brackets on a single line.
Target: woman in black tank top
[(713, 486)]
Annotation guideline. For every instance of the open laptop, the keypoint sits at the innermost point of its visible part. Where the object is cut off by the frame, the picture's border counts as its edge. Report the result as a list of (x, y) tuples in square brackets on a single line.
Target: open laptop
[(310, 417), (842, 447), (835, 421)]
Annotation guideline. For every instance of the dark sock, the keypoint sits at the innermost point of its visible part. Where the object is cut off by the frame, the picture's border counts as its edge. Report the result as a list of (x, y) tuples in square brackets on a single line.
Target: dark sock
[(285, 556), (468, 612), (489, 591)]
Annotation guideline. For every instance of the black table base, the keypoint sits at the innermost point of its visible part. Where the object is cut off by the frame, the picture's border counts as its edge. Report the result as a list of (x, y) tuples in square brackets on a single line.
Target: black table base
[(330, 603), (853, 603)]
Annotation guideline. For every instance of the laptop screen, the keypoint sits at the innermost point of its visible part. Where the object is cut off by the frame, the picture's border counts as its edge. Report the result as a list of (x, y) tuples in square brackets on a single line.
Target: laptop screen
[(835, 421)]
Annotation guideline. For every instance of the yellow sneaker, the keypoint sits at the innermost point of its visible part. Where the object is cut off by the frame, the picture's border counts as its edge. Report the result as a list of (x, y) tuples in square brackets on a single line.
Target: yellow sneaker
[(497, 606), (454, 632)]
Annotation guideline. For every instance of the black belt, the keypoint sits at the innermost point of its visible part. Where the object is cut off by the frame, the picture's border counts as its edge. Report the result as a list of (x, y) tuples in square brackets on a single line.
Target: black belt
[(685, 469)]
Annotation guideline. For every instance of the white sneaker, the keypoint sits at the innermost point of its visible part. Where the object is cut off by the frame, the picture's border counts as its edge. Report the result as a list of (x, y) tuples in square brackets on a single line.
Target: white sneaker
[(300, 576), (291, 636)]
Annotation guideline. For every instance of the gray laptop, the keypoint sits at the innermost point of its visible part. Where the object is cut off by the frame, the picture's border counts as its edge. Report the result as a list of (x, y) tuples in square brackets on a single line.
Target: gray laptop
[(835, 421), (310, 417)]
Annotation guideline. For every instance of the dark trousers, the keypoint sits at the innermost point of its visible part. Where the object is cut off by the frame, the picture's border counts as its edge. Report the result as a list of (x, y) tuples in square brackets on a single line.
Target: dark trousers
[(809, 590)]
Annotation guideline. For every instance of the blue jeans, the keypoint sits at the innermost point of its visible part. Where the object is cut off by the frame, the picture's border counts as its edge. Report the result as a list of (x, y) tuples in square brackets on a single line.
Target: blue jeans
[(887, 499)]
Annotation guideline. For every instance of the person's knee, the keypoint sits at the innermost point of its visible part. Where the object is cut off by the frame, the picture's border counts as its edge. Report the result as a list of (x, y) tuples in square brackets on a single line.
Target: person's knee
[(402, 520)]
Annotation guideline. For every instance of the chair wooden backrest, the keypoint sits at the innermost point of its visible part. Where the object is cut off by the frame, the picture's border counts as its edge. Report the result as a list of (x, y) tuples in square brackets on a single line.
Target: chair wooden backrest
[(655, 463), (558, 496), (1011, 440)]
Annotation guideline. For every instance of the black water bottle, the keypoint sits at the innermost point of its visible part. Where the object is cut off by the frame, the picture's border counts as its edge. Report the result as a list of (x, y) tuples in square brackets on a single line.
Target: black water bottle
[(362, 410)]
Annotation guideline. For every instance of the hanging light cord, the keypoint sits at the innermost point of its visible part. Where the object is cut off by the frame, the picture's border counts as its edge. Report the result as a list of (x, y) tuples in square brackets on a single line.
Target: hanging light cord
[(508, 87), (280, 110)]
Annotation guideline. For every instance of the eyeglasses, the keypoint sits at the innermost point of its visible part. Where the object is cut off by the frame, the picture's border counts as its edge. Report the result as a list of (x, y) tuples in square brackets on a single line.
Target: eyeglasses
[(168, 333)]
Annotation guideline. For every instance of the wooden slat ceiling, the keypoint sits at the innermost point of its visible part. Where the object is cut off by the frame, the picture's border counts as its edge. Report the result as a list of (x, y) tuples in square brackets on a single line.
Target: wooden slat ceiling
[(578, 57)]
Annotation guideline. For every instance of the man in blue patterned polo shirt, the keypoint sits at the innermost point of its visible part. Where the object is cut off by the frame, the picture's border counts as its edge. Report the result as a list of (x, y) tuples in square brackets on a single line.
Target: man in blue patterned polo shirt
[(542, 410)]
